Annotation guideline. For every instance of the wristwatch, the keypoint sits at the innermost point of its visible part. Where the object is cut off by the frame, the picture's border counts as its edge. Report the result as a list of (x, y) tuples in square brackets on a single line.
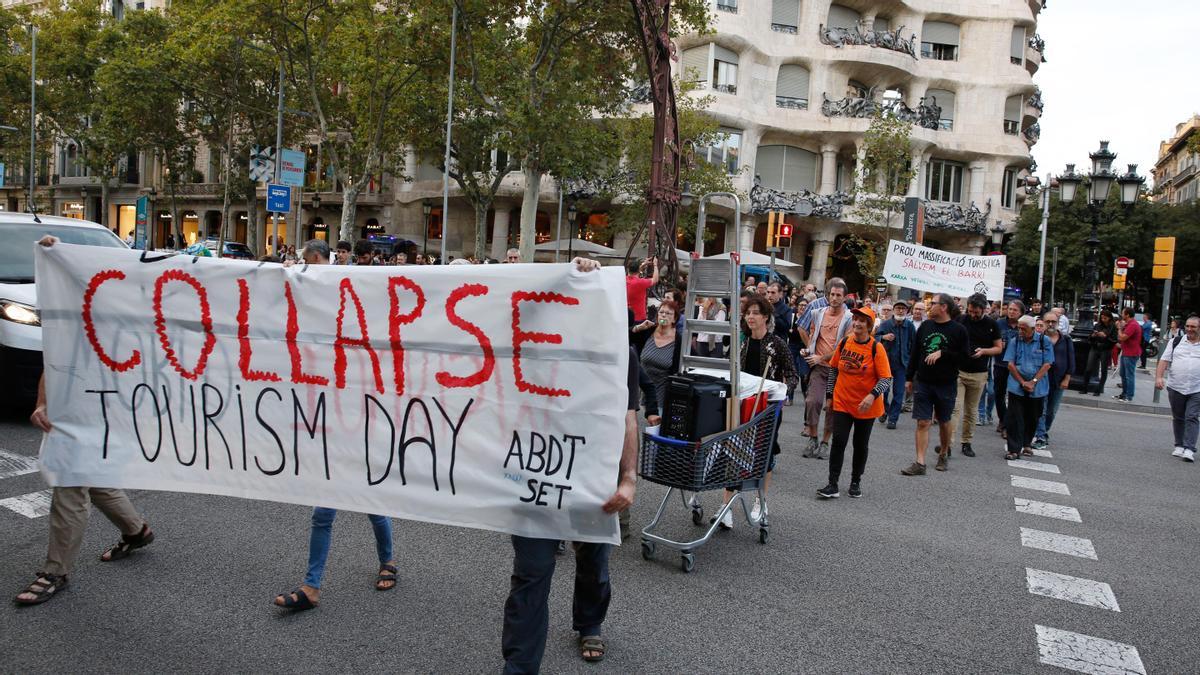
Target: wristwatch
[(1034, 380)]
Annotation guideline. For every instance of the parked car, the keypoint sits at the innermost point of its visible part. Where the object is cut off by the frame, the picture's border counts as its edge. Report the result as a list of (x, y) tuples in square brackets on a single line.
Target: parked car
[(20, 321), (233, 249)]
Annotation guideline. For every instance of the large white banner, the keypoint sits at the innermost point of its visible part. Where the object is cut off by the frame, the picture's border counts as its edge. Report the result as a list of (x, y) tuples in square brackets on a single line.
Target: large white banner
[(489, 396), (928, 269)]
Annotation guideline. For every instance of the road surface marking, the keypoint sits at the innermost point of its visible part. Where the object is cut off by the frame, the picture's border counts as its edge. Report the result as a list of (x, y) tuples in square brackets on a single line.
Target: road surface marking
[(1071, 589), (1033, 466), (16, 465), (32, 505), (1087, 654), (1036, 508), (1039, 484), (1042, 453), (1058, 543)]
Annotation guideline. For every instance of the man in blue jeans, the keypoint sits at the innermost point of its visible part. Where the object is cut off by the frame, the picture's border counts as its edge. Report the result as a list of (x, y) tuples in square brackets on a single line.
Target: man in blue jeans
[(1059, 378), (1131, 351), (527, 610), (896, 334)]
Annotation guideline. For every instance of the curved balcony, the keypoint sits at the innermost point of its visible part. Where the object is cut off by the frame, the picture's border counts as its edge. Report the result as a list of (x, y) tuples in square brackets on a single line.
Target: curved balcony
[(926, 116), (1035, 54), (1032, 133), (1034, 105)]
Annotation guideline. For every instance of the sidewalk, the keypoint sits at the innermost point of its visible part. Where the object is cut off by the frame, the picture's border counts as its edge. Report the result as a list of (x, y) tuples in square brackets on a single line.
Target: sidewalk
[(1143, 394)]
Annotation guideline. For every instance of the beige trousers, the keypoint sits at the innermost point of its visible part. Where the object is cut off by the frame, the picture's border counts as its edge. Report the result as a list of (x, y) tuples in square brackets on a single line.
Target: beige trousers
[(970, 389), (69, 511)]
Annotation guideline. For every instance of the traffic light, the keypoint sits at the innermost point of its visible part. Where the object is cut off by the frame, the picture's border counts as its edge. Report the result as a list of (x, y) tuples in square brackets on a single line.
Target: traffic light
[(1164, 258), (783, 235), (1118, 282), (771, 215)]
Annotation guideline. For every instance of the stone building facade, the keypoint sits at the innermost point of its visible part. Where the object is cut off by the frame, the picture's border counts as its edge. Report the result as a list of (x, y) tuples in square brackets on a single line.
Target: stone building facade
[(1175, 180)]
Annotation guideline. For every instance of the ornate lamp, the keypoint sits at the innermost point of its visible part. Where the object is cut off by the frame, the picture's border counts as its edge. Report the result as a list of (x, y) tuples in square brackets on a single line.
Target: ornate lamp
[(1068, 183), (1131, 185)]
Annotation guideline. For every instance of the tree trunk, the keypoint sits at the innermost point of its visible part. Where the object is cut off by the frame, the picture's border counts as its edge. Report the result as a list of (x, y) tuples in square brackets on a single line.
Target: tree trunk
[(349, 208), (529, 209), (104, 203), (254, 238), (481, 211), (175, 222)]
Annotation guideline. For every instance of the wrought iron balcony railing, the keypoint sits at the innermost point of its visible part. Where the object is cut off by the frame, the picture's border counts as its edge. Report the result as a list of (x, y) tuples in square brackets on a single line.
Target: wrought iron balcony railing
[(884, 39)]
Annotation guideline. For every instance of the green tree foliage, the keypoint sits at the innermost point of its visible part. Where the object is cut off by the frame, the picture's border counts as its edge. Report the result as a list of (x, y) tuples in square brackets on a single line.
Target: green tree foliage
[(883, 179), (354, 62), (1131, 234), (14, 91)]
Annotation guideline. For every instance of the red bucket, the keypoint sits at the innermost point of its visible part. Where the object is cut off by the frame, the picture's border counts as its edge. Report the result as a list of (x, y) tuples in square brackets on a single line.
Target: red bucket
[(752, 406)]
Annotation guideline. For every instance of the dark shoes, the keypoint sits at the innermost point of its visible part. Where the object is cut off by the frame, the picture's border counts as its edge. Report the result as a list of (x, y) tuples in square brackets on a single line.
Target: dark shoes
[(891, 425), (855, 491), (942, 461), (967, 451), (913, 469), (828, 492)]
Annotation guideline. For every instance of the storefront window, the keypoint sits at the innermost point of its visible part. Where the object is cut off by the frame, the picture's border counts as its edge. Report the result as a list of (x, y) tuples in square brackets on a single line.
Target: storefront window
[(191, 227), (73, 210), (126, 220)]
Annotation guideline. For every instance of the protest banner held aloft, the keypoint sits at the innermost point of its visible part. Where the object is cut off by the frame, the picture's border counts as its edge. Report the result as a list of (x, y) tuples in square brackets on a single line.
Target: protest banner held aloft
[(931, 270), (481, 396)]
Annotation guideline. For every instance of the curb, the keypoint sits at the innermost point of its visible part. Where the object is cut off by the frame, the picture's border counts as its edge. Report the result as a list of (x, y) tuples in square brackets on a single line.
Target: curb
[(1080, 401)]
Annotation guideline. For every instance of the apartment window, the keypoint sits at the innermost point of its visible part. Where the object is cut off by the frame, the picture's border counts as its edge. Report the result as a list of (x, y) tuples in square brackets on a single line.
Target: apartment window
[(730, 6), (945, 100), (882, 24), (783, 167), (939, 41), (724, 70), (791, 87), (725, 150), (843, 17), (1016, 54), (1008, 188), (694, 65), (943, 181), (1012, 115), (785, 15), (71, 162)]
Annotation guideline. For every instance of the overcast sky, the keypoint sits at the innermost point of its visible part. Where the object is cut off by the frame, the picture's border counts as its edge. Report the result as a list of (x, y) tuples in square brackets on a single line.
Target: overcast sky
[(1117, 70)]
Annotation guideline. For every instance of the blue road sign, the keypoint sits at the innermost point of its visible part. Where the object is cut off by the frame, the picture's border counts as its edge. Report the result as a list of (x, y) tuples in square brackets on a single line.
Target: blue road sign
[(279, 198)]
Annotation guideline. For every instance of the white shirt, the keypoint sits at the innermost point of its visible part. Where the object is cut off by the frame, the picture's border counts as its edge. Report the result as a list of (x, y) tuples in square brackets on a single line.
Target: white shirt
[(1184, 374), (1064, 325)]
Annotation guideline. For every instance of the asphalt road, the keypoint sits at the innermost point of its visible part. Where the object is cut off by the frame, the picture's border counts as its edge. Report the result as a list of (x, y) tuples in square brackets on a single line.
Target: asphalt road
[(924, 574)]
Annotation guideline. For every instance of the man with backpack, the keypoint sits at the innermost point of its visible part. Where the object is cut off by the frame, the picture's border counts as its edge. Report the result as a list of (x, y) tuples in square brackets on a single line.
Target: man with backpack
[(1180, 366)]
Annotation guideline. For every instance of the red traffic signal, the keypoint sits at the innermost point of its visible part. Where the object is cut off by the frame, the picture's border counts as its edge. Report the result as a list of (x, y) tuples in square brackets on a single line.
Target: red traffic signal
[(783, 235)]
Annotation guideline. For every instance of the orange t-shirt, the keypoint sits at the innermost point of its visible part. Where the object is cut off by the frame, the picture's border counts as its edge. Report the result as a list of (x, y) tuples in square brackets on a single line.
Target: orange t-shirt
[(860, 367)]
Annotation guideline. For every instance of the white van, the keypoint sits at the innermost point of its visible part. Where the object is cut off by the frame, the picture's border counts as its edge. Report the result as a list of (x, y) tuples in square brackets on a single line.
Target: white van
[(20, 325)]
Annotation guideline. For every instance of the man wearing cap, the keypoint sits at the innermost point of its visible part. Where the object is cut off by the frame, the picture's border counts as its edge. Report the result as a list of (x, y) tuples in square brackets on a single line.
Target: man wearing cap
[(1029, 357), (896, 335)]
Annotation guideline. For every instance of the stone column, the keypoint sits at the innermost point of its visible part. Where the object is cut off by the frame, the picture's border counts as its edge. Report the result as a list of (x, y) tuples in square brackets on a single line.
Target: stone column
[(860, 156), (820, 260), (978, 172), (828, 169), (410, 169), (745, 240), (917, 184), (500, 230)]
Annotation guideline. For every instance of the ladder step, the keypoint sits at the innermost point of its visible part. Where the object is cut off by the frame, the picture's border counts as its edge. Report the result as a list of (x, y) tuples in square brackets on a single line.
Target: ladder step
[(705, 326), (705, 362), (722, 292)]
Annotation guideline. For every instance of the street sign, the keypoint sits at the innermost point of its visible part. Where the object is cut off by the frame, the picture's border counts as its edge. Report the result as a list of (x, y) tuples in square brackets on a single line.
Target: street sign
[(141, 220), (1123, 263), (1, 174), (914, 220), (262, 164), (279, 198), (291, 171), (1164, 258), (1120, 271), (1118, 282)]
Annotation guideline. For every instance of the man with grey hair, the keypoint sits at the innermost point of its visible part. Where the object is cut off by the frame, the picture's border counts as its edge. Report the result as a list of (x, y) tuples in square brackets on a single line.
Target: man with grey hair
[(1028, 358), (512, 256), (1064, 324), (315, 252)]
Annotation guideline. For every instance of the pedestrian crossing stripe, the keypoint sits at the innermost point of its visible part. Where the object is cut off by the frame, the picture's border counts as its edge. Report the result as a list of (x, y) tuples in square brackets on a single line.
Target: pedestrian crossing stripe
[(1039, 484), (1086, 654), (16, 465), (32, 505), (1071, 589), (1047, 510), (1058, 543)]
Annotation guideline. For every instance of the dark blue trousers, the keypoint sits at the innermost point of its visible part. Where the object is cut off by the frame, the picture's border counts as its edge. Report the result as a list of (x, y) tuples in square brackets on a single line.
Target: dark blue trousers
[(527, 610)]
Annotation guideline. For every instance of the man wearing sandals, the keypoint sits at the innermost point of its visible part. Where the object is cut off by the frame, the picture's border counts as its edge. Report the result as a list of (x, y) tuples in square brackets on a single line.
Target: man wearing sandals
[(69, 517), (308, 595), (527, 610)]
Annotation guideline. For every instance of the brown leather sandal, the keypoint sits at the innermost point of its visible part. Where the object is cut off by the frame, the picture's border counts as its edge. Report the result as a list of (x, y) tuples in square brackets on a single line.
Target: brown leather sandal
[(128, 544)]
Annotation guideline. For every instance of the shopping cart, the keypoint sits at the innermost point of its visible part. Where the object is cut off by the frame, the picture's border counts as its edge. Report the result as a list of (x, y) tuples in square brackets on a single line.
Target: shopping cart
[(736, 460)]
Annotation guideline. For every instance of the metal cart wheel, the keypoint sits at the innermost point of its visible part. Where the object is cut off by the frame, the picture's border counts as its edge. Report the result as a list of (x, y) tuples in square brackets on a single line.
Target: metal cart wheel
[(647, 550), (764, 535), (687, 562), (697, 515)]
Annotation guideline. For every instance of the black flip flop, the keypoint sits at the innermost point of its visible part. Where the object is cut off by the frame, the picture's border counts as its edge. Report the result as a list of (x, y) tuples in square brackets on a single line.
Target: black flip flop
[(298, 604)]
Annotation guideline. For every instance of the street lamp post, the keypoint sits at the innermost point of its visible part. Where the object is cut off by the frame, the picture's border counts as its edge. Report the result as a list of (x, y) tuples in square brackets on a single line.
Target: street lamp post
[(426, 209), (572, 212), (449, 127), (31, 205), (1101, 179)]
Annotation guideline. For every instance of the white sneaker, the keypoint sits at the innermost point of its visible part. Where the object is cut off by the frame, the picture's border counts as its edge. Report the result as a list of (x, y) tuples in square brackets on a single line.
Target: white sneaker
[(758, 511), (1178, 452), (1189, 456), (726, 520)]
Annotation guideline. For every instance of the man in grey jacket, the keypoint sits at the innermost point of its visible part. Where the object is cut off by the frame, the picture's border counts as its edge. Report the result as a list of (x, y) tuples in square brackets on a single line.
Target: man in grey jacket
[(828, 327)]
